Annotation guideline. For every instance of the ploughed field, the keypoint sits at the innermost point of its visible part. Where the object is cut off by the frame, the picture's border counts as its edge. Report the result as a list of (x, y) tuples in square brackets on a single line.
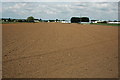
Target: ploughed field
[(56, 50)]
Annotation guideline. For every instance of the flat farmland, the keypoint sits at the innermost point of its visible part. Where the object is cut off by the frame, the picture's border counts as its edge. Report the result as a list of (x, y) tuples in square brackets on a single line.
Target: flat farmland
[(56, 50)]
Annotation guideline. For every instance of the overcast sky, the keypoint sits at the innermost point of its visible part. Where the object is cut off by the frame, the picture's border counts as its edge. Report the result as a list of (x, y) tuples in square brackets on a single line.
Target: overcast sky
[(60, 0), (60, 10)]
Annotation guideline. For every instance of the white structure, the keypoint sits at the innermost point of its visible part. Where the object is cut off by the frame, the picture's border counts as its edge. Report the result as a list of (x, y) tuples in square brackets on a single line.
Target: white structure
[(95, 22), (66, 21), (63, 22), (36, 20), (113, 22)]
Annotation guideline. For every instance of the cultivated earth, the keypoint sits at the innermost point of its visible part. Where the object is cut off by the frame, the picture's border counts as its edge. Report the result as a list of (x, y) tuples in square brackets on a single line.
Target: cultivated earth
[(56, 50)]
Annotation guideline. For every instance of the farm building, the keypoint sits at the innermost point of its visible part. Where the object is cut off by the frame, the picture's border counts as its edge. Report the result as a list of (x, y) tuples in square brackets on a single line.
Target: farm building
[(64, 21), (44, 20), (94, 21), (111, 22), (5, 19), (8, 20), (36, 20), (98, 21), (52, 20), (79, 19)]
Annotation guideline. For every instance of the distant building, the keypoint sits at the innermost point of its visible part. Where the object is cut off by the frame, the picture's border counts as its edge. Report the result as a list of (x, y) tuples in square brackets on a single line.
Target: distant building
[(65, 21), (52, 20), (36, 20), (12, 20), (79, 19), (5, 19), (94, 21), (44, 20), (111, 22), (98, 21)]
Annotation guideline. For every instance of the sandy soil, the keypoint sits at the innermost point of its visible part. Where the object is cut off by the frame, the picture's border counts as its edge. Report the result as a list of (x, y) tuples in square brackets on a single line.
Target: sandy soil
[(0, 51), (56, 50)]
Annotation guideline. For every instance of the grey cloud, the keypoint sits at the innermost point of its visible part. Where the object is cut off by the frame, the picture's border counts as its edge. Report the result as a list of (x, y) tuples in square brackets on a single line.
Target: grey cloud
[(62, 10), (28, 9)]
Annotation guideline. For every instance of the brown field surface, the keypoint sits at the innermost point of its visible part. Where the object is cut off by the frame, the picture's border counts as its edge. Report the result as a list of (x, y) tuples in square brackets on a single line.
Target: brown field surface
[(56, 50)]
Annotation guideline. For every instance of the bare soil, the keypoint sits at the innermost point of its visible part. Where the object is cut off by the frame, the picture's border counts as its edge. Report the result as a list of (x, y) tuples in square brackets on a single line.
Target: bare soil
[(56, 50)]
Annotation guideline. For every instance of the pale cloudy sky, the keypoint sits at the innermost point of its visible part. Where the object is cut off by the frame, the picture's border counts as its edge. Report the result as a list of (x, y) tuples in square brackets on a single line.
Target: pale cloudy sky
[(60, 0), (60, 10)]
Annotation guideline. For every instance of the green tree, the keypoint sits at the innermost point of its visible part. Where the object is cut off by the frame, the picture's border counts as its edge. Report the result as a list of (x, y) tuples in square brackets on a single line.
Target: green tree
[(30, 19), (40, 20), (57, 20)]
